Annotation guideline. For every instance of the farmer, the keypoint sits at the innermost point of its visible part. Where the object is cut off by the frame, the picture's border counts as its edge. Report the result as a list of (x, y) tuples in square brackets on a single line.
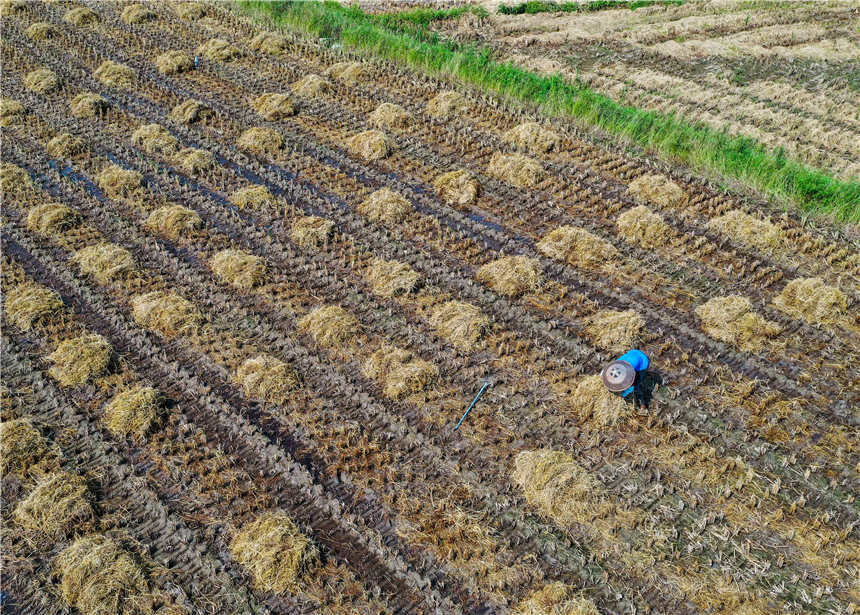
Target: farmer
[(626, 375)]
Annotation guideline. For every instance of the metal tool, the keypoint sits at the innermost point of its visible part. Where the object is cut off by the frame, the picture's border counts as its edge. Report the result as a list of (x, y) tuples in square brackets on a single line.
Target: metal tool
[(472, 405)]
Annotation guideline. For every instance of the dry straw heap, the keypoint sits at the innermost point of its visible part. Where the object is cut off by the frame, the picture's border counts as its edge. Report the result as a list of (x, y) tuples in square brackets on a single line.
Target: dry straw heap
[(311, 86), (137, 13), (460, 323), (60, 503), (132, 412), (115, 74), (749, 230), (27, 303), (311, 231), (81, 16), (103, 261), (66, 145), (79, 359), (577, 247), (556, 599), (591, 400), (275, 552), (658, 189), (238, 268), (447, 105), (388, 116), (189, 10), (398, 372), (174, 62), (252, 197), (370, 145), (615, 331), (190, 111), (42, 80), (11, 111), (642, 226), (330, 326), (458, 188), (23, 447), (516, 169), (173, 221), (155, 139), (98, 576), (165, 312), (261, 141), (88, 104), (732, 320), (348, 72), (266, 42), (51, 218), (385, 206), (193, 161), (812, 300), (119, 183), (14, 179), (532, 137), (390, 278), (42, 30), (273, 106), (218, 50), (266, 378), (510, 275)]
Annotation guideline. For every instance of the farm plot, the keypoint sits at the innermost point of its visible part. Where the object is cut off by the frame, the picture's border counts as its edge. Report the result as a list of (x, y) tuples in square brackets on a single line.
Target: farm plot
[(251, 283)]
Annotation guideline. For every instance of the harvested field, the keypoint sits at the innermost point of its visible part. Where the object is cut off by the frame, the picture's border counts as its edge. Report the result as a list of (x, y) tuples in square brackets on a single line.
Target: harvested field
[(246, 302)]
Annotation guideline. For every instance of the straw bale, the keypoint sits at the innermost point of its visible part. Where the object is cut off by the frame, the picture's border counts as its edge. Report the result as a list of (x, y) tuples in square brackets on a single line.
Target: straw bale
[(173, 62), (218, 50), (642, 226), (388, 116), (516, 169), (190, 111), (370, 145), (330, 326), (658, 189), (812, 300), (103, 261), (261, 141), (133, 412), (29, 302), (115, 74), (311, 231), (51, 218), (137, 13), (447, 105), (42, 80), (81, 16), (510, 275), (238, 268), (532, 137), (389, 278), (274, 106), (119, 183), (88, 104), (60, 503), (615, 331), (462, 324), (66, 145), (731, 319), (385, 206), (79, 359), (165, 312), (267, 378), (252, 197), (311, 86), (458, 188), (173, 221)]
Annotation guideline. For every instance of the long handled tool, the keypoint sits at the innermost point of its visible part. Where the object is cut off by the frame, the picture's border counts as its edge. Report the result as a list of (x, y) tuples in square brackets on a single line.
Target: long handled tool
[(472, 405)]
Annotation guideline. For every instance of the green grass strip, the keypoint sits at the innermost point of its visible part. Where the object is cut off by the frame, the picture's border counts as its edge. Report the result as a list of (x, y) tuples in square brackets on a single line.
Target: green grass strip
[(734, 157), (541, 6)]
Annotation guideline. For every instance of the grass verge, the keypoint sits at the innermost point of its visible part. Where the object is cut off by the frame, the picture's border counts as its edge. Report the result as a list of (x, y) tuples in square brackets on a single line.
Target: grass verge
[(733, 157), (541, 6)]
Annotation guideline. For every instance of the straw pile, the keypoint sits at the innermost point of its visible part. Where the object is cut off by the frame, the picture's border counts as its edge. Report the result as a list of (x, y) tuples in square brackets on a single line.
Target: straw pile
[(516, 169), (237, 268), (275, 552), (193, 161), (577, 247), (22, 445), (137, 13), (458, 188), (14, 179), (398, 372), (462, 324), (812, 300), (447, 105), (51, 218), (370, 145), (348, 72), (310, 86), (510, 275), (266, 378), (252, 197), (65, 146), (132, 412), (615, 331), (173, 62), (389, 278), (11, 111), (103, 261), (100, 577), (218, 50), (155, 139), (749, 230), (115, 74), (592, 400), (556, 599), (117, 182), (556, 485), (190, 111), (167, 313), (273, 106), (532, 137), (189, 10), (731, 320), (173, 221), (658, 189), (42, 30), (11, 7), (330, 326), (60, 503), (642, 226), (28, 302), (261, 141), (81, 16), (88, 104), (42, 80), (78, 359), (266, 42), (385, 206), (311, 231), (388, 116)]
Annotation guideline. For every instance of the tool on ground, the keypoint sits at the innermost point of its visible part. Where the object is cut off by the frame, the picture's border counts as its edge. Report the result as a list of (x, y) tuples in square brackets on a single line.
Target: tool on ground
[(196, 61), (620, 375), (472, 405)]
